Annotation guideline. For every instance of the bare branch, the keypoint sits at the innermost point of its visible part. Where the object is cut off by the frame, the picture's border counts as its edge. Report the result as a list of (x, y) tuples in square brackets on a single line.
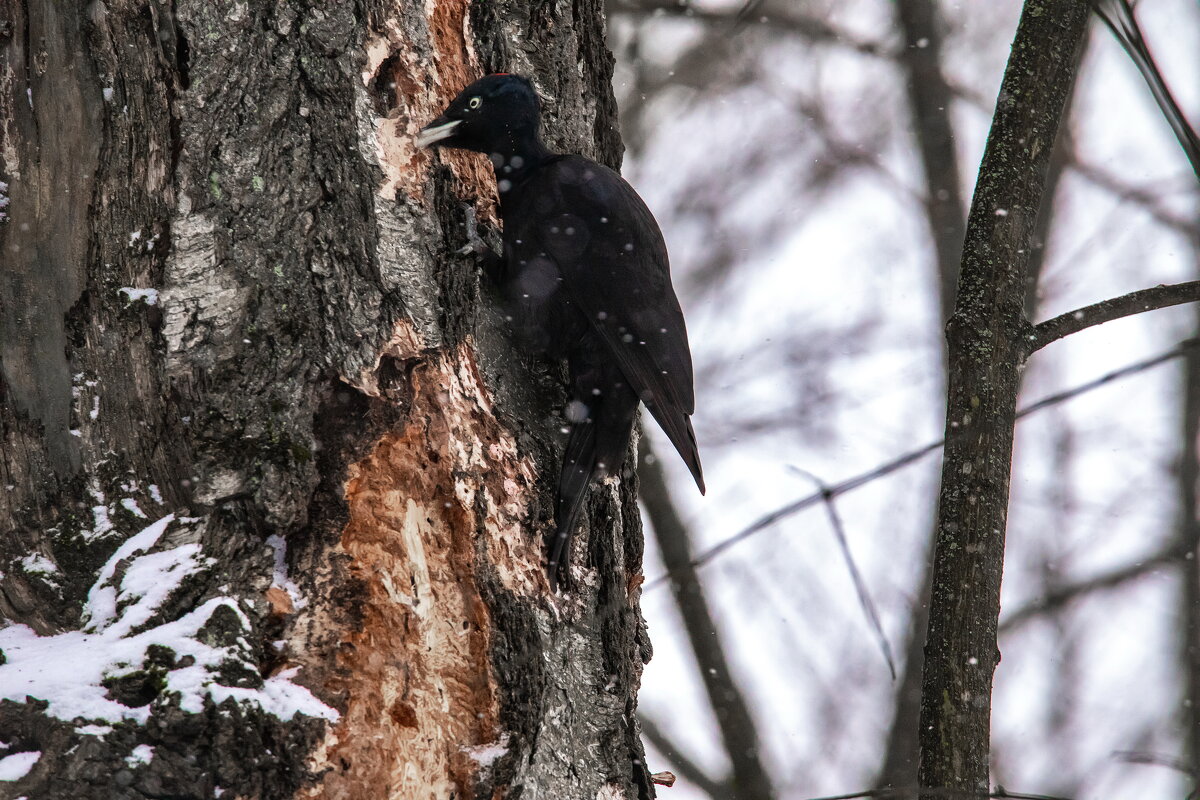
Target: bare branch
[(1162, 296), (1119, 17), (888, 467), (1154, 759), (811, 28), (1146, 199), (930, 101), (860, 585), (1063, 596)]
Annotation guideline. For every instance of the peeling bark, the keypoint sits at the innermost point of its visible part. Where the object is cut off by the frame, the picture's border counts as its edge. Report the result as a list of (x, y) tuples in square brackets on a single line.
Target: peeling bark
[(229, 295)]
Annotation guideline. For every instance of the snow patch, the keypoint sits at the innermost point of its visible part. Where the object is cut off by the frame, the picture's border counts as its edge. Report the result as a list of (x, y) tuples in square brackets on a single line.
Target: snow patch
[(142, 754), (68, 670), (101, 524), (36, 563), (280, 577), (133, 295), (102, 599), (486, 754), (17, 766), (132, 507), (94, 730)]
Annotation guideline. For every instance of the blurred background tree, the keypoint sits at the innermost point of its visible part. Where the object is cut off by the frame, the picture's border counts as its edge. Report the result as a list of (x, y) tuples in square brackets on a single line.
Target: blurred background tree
[(810, 163)]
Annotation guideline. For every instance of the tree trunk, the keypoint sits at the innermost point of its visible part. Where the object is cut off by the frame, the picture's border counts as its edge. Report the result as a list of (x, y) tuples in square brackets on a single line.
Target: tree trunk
[(274, 477), (987, 339), (1187, 480)]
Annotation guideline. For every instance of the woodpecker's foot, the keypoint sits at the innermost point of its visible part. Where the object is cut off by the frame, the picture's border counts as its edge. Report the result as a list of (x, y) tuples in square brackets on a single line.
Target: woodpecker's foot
[(475, 244)]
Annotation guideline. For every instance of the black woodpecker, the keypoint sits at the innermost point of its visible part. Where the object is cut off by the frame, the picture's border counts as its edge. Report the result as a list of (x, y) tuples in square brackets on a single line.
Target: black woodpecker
[(584, 276)]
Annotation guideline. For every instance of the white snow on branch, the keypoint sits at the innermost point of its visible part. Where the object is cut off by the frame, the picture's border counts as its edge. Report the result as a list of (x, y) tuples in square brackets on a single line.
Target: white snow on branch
[(17, 766), (68, 670)]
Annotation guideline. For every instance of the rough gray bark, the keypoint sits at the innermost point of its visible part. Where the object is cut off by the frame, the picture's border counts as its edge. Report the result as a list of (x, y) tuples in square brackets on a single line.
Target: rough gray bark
[(986, 339), (318, 367), (1060, 158), (1188, 537)]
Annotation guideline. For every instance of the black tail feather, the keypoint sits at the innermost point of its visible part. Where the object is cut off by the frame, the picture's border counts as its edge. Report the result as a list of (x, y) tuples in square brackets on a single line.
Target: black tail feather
[(678, 427), (595, 448), (579, 465)]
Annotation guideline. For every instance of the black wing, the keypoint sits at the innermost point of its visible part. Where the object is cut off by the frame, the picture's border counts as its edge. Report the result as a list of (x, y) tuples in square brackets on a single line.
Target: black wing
[(613, 263)]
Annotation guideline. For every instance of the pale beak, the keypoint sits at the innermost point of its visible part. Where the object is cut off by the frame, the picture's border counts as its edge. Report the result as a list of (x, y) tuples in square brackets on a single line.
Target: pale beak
[(436, 132)]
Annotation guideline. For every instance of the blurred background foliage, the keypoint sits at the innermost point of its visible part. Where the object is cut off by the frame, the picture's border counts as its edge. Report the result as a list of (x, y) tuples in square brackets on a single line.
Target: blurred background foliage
[(811, 162)]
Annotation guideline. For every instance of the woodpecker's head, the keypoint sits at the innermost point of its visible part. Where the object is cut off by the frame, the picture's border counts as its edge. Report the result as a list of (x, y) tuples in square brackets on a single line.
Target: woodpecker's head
[(496, 114)]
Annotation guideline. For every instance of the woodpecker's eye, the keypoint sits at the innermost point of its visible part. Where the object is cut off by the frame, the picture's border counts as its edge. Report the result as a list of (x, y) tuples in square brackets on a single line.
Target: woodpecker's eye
[(476, 102)]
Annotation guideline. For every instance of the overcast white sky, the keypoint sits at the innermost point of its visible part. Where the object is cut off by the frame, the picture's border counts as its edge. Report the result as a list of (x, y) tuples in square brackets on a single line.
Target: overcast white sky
[(787, 610)]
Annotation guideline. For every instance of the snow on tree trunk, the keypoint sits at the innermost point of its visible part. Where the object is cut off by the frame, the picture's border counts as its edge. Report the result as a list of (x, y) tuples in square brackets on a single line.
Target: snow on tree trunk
[(273, 477)]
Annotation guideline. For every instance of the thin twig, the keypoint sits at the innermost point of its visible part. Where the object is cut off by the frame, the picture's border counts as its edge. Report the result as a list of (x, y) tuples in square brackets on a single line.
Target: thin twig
[(888, 467), (1119, 17), (860, 585), (1178, 351), (1162, 296), (810, 27), (1061, 597), (1154, 759), (1147, 199)]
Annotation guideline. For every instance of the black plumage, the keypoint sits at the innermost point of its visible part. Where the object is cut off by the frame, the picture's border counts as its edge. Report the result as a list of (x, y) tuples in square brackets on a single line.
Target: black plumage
[(585, 276)]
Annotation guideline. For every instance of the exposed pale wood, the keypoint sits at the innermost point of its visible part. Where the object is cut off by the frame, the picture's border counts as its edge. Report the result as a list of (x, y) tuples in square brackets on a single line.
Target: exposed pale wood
[(318, 367)]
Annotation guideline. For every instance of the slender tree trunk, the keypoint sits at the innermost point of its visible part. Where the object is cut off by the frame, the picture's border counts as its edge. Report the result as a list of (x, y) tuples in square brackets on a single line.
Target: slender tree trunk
[(987, 341), (1189, 542), (272, 476)]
